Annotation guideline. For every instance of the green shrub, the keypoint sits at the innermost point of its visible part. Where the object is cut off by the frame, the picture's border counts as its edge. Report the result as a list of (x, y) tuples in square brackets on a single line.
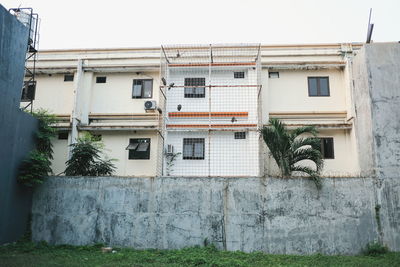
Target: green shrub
[(86, 158), (374, 249), (38, 165)]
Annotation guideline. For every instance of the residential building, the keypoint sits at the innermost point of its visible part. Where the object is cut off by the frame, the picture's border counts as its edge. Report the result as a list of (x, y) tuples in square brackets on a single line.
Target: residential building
[(202, 103)]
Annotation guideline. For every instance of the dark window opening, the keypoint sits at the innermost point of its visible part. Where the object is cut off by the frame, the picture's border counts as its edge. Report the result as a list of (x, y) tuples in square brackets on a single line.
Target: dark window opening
[(318, 86), (273, 74), (198, 90), (68, 78), (240, 135), (193, 148), (142, 88), (238, 75), (102, 79), (139, 148), (327, 149), (28, 92), (63, 136)]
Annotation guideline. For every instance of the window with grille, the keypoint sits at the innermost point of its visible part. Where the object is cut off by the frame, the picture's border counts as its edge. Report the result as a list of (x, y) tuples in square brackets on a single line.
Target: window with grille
[(142, 88), (68, 78), (327, 150), (139, 148), (240, 135), (318, 86), (101, 79), (238, 75), (193, 148), (195, 87)]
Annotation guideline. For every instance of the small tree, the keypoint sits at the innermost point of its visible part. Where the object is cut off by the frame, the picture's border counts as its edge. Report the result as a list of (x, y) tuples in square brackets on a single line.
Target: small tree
[(38, 164), (288, 149), (86, 158)]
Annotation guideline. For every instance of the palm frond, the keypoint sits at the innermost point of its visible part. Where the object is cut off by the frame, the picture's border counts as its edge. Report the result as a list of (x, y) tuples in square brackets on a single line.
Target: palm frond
[(304, 129), (314, 175), (313, 142)]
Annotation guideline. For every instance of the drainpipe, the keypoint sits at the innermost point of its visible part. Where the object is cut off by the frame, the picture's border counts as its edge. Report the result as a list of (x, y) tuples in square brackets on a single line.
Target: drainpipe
[(76, 110)]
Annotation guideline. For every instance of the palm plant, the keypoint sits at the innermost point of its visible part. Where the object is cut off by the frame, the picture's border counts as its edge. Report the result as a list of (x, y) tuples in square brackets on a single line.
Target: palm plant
[(288, 149)]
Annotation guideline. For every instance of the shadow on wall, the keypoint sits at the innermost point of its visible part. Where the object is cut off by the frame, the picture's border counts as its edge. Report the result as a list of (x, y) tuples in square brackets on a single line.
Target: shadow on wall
[(17, 129)]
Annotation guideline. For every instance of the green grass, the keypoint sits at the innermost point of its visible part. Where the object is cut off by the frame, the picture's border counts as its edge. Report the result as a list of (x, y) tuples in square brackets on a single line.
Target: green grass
[(28, 254)]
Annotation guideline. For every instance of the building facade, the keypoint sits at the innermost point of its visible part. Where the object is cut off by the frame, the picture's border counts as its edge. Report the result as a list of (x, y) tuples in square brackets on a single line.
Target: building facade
[(196, 110)]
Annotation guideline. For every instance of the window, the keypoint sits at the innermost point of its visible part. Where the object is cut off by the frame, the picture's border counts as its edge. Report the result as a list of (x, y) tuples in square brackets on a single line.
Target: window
[(68, 78), (139, 148), (28, 92), (101, 79), (63, 136), (193, 148), (318, 86), (238, 75), (327, 148), (273, 74), (240, 135), (198, 90), (142, 88)]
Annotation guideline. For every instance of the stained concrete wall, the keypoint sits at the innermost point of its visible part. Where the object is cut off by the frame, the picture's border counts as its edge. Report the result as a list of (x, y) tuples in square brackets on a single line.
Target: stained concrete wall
[(376, 90), (249, 214), (16, 129)]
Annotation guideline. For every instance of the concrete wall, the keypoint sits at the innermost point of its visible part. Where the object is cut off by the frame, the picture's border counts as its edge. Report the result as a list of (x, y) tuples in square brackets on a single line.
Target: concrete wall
[(249, 214), (16, 129), (376, 83)]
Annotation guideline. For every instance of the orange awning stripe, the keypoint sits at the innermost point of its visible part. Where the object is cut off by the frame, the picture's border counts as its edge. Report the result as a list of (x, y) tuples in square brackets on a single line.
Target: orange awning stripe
[(207, 114), (212, 125)]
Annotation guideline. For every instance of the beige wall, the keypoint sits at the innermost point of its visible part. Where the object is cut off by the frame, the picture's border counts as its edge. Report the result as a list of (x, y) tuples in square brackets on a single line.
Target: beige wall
[(115, 96), (115, 144), (53, 94), (289, 92)]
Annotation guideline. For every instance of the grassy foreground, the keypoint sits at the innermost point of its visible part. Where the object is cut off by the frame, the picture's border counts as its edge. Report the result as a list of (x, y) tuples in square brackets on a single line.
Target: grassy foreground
[(28, 254)]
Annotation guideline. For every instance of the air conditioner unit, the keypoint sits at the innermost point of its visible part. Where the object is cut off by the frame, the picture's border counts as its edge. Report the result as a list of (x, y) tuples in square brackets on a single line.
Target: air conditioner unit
[(150, 105), (169, 150)]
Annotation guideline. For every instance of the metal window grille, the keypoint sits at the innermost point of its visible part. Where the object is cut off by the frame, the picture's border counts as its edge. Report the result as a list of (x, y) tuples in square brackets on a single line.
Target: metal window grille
[(238, 75), (224, 105), (68, 78), (240, 135), (193, 148), (198, 89)]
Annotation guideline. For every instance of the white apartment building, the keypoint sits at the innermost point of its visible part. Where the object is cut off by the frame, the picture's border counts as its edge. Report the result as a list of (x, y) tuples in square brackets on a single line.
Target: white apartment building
[(204, 104)]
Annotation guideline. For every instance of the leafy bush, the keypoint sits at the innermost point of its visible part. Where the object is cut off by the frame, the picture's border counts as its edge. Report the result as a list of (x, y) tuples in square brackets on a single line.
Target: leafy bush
[(375, 249), (86, 158), (38, 165)]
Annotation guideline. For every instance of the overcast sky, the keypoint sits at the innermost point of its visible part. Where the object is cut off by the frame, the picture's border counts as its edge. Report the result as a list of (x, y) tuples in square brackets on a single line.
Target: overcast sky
[(116, 23)]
